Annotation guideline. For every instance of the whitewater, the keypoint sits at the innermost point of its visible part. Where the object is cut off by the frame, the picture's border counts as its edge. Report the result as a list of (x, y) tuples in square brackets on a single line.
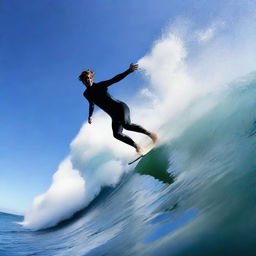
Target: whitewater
[(194, 194)]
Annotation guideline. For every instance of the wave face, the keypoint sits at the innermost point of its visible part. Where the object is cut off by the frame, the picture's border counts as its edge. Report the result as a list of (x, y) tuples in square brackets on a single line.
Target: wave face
[(192, 195)]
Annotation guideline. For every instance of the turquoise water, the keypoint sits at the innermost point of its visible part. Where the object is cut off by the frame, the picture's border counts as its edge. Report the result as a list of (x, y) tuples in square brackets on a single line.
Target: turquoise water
[(193, 195)]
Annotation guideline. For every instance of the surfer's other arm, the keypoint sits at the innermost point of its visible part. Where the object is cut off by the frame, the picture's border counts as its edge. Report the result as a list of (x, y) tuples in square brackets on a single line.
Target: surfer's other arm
[(119, 77), (91, 108)]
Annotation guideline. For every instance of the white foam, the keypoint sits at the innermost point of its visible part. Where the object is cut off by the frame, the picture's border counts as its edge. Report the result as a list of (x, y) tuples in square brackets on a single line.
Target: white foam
[(66, 193)]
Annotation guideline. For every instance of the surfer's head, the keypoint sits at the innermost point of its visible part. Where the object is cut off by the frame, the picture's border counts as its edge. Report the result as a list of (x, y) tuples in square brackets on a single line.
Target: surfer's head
[(87, 77)]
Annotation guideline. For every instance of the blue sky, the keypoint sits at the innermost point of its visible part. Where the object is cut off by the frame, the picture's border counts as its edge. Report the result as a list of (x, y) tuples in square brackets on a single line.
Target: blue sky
[(44, 46)]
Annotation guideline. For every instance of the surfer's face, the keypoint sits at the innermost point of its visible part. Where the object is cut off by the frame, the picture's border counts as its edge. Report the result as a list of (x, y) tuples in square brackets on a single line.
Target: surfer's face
[(88, 80)]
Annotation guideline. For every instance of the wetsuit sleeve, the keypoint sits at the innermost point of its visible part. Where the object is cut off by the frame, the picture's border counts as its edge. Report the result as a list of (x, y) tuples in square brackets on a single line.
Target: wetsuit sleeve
[(91, 108), (91, 105), (115, 79)]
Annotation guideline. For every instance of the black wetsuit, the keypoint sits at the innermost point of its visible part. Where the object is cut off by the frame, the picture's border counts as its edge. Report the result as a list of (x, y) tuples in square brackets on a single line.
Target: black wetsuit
[(118, 110)]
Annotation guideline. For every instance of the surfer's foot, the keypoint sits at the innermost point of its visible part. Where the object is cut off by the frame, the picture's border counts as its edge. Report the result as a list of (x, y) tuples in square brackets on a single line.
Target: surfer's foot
[(138, 148), (153, 136)]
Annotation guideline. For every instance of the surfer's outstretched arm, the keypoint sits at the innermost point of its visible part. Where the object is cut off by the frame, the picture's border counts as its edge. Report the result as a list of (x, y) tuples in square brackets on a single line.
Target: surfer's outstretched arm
[(119, 77)]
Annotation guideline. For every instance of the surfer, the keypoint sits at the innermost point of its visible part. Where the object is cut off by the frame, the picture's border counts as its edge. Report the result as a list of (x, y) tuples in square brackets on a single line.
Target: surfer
[(97, 93)]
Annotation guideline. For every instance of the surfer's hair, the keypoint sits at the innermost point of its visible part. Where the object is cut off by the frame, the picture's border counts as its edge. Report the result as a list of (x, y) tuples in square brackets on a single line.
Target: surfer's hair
[(86, 73)]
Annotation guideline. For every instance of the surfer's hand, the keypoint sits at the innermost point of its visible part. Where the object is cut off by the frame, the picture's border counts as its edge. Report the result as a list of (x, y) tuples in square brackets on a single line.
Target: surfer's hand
[(133, 67), (90, 120)]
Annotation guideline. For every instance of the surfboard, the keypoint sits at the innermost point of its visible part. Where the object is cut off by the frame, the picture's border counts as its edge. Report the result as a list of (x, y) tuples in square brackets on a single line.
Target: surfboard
[(145, 151)]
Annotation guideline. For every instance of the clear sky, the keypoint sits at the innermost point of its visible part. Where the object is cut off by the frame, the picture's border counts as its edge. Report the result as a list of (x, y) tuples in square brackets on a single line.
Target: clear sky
[(44, 45)]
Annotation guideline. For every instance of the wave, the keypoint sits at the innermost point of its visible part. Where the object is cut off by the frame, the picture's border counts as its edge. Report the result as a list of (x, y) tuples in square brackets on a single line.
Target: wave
[(204, 206), (178, 97)]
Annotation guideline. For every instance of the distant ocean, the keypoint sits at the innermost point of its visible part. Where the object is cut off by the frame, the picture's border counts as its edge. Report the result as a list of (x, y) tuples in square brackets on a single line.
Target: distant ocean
[(193, 195)]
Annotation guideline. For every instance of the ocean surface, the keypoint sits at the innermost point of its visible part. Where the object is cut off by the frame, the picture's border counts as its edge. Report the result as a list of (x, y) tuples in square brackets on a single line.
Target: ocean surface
[(192, 195)]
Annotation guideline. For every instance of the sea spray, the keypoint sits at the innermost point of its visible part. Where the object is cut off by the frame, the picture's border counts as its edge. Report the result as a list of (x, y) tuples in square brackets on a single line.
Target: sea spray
[(66, 193)]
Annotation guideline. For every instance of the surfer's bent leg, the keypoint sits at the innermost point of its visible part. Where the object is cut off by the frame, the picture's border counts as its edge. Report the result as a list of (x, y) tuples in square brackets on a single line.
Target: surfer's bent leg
[(117, 128), (127, 122), (136, 128)]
